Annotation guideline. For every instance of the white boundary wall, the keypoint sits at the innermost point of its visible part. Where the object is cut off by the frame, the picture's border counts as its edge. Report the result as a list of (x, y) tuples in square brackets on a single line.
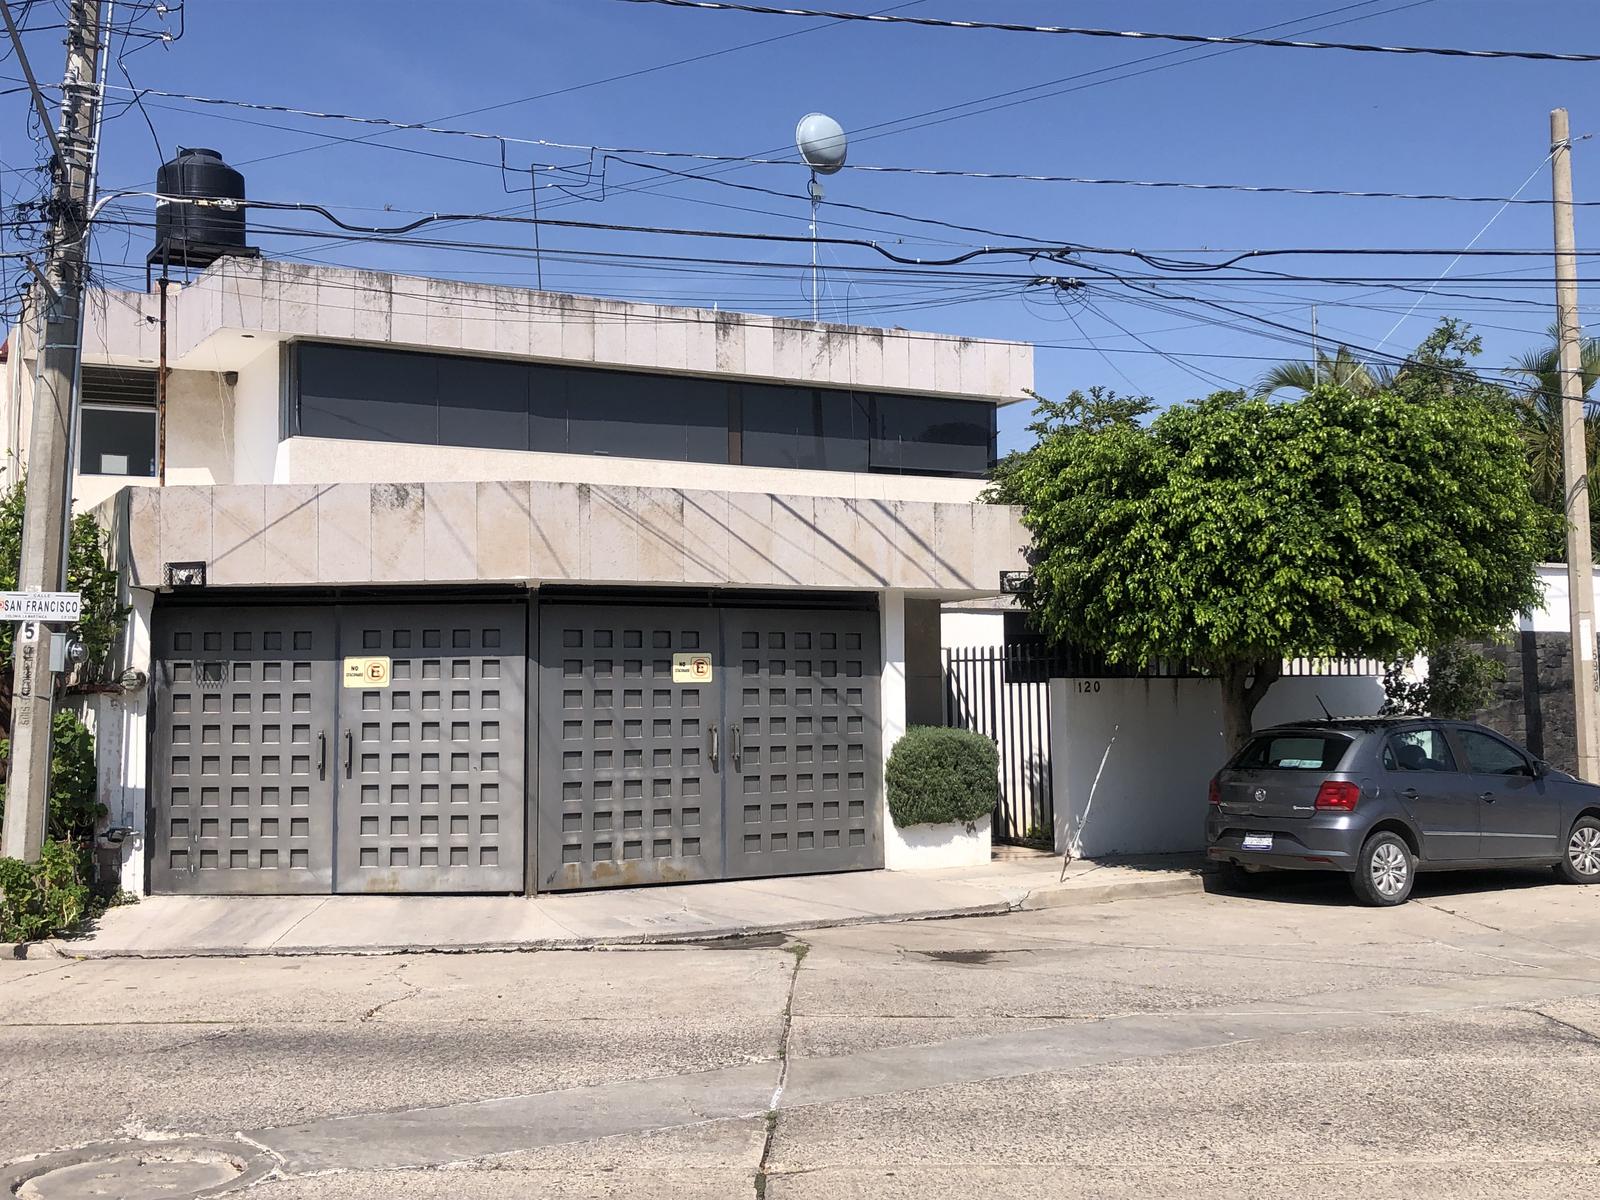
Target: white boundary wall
[(1131, 758)]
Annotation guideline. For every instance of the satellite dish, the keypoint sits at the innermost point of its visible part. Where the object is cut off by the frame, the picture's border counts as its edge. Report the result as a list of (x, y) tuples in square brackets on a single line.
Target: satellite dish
[(821, 142)]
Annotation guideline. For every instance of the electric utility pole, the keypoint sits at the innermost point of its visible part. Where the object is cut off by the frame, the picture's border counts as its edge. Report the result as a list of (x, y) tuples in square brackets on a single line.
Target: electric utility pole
[(1574, 454), (49, 487)]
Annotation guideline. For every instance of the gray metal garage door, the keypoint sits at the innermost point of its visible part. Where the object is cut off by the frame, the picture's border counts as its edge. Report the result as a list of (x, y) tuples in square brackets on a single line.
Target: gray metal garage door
[(242, 782), (629, 790), (273, 776), (430, 790), (649, 774), (804, 775)]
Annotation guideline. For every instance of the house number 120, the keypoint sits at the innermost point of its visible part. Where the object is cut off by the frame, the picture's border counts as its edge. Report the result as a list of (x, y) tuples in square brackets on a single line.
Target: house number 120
[(1088, 685)]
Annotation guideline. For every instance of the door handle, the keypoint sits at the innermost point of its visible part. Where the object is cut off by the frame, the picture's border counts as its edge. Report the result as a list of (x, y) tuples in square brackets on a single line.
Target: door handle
[(713, 737), (736, 742), (1486, 797), (1409, 793), (322, 755), (349, 752)]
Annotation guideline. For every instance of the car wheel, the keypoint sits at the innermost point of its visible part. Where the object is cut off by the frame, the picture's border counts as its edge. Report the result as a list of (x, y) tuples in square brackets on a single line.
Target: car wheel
[(1581, 863), (1385, 871), (1235, 878)]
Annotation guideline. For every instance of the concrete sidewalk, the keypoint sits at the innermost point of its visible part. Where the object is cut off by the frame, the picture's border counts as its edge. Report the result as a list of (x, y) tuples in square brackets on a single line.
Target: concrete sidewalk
[(1016, 879)]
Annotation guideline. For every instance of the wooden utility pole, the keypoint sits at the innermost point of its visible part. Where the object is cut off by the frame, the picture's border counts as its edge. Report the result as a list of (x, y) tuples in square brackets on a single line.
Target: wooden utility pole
[(49, 487), (1575, 454)]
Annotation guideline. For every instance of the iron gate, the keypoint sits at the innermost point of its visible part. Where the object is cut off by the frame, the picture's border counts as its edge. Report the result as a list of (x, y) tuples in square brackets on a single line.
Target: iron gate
[(762, 760), (1003, 692), (273, 774)]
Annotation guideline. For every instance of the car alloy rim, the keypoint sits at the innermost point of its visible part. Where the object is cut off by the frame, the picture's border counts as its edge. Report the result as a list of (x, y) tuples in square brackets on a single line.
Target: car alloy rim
[(1389, 868), (1584, 850)]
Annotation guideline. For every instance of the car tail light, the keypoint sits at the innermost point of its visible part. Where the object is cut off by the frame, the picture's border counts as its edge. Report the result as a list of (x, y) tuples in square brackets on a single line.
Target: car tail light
[(1339, 795), (1214, 792)]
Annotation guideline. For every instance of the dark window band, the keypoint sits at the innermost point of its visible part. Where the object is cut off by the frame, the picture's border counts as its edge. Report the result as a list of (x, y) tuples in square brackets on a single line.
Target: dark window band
[(368, 394)]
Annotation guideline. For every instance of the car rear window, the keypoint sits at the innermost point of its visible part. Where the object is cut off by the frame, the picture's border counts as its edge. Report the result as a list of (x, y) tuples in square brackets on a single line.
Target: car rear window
[(1294, 752)]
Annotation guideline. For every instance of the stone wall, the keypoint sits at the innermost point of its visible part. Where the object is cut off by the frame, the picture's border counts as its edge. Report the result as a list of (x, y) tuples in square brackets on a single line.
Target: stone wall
[(1534, 703)]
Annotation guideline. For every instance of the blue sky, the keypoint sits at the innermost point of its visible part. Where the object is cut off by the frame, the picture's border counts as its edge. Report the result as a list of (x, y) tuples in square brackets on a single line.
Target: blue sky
[(1139, 110)]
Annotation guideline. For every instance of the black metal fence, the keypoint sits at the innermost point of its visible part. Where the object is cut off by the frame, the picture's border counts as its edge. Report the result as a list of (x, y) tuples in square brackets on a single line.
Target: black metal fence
[(1004, 694)]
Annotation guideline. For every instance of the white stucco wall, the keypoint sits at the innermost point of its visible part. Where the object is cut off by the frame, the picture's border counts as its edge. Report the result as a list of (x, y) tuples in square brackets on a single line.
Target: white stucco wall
[(255, 419), (1114, 794), (963, 629)]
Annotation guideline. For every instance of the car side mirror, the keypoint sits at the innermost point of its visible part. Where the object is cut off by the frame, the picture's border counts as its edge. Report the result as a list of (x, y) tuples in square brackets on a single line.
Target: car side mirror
[(1540, 768)]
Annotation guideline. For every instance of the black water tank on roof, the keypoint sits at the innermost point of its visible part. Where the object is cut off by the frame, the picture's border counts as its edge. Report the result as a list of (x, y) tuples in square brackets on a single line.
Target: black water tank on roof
[(197, 233)]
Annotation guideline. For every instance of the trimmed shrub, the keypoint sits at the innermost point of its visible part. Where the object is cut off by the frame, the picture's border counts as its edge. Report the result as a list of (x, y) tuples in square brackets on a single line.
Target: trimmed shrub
[(937, 775), (43, 898)]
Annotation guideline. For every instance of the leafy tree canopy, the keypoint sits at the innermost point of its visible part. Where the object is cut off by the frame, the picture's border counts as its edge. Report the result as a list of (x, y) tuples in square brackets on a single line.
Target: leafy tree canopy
[(1236, 531)]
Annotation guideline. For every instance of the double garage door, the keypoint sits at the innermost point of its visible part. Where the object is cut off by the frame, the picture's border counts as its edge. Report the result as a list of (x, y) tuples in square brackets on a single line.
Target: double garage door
[(276, 774), (387, 748)]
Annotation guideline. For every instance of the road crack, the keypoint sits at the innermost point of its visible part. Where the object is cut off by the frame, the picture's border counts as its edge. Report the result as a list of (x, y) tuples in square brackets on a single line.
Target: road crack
[(799, 949), (412, 992)]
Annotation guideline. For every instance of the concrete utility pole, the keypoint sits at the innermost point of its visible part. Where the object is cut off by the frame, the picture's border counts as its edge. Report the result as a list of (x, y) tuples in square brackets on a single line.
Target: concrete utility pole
[(1575, 454), (48, 495)]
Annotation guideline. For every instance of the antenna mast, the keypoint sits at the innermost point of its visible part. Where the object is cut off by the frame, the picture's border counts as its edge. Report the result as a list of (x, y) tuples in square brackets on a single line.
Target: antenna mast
[(822, 143)]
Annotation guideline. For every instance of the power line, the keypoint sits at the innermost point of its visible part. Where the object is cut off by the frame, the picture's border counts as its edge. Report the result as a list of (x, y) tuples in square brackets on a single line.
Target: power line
[(1077, 31), (622, 153)]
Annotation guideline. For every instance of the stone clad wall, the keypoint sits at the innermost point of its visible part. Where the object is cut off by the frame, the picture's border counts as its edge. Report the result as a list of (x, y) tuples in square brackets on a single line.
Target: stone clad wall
[(1534, 704), (265, 535)]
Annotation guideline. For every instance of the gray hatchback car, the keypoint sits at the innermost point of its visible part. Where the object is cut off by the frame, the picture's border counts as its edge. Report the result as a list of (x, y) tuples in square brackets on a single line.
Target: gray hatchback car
[(1381, 799)]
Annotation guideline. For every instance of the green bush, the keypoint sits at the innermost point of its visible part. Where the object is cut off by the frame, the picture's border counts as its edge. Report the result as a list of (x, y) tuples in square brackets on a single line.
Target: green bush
[(75, 806), (43, 898), (938, 775), (52, 895)]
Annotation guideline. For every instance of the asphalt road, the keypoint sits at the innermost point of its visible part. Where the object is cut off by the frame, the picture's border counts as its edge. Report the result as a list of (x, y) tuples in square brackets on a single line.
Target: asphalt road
[(1283, 1044)]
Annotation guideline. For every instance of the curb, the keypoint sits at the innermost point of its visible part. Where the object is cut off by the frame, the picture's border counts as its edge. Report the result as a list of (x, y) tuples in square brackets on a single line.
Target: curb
[(725, 933), (35, 951), (1070, 896), (1067, 895)]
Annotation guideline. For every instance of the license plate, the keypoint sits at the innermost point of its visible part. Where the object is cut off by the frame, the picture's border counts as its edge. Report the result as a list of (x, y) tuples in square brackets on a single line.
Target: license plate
[(1258, 841)]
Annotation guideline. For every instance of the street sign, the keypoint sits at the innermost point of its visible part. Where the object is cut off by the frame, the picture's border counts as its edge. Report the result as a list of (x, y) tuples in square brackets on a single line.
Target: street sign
[(41, 606)]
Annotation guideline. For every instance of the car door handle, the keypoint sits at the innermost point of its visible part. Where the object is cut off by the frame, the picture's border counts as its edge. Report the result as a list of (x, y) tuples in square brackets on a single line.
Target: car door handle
[(1410, 793), (1486, 797)]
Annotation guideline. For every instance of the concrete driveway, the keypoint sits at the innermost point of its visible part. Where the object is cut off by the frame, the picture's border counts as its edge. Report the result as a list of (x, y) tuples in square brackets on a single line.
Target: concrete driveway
[(1284, 1044)]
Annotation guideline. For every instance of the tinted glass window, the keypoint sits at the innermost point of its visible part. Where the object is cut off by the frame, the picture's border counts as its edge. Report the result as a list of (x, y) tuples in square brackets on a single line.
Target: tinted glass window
[(483, 402), (808, 428), (1490, 756), (117, 441), (457, 400), (624, 415), (1294, 752), (1418, 750), (920, 435), (368, 395), (547, 409)]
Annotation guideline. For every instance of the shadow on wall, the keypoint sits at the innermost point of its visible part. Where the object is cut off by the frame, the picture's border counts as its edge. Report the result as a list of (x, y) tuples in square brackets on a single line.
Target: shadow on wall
[(1131, 758)]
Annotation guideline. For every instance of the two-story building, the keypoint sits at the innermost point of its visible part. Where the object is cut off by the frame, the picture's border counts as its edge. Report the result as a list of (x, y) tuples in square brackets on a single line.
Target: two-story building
[(442, 587)]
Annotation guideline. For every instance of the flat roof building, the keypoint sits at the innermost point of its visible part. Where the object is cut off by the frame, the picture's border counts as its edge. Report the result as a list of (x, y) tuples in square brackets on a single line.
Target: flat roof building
[(453, 588)]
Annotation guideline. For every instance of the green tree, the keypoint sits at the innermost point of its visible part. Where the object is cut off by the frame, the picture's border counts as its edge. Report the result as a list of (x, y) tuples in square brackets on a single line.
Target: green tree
[(1538, 402), (88, 573), (1343, 369), (1236, 532), (1460, 684)]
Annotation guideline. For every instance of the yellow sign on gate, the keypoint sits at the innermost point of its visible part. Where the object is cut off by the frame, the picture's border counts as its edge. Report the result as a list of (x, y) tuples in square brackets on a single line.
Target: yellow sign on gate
[(366, 672), (691, 668)]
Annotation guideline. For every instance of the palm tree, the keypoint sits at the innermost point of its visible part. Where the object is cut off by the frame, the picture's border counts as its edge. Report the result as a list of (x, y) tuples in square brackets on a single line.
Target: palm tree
[(1343, 369), (1539, 409)]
